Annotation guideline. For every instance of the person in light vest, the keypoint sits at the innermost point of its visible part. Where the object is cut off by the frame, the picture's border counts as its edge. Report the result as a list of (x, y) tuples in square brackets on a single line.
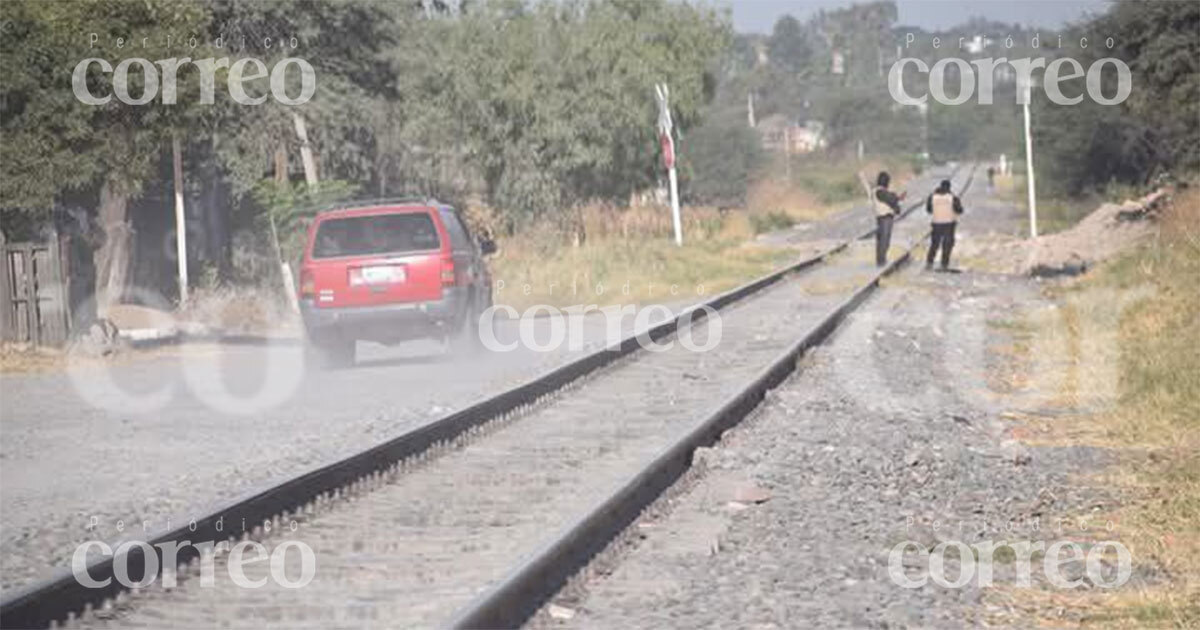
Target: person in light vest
[(944, 206), (887, 207)]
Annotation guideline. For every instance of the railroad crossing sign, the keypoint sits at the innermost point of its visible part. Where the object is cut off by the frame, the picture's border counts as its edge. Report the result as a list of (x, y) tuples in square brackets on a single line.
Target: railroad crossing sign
[(666, 139)]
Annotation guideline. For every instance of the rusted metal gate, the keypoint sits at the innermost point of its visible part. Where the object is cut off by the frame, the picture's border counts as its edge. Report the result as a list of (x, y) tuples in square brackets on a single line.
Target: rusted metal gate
[(33, 293)]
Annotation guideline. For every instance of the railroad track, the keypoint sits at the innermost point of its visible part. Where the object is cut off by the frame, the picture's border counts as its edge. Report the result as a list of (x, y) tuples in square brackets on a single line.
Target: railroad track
[(425, 529)]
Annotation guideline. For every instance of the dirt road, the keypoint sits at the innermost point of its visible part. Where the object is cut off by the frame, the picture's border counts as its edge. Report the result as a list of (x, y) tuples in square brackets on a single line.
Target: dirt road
[(78, 451)]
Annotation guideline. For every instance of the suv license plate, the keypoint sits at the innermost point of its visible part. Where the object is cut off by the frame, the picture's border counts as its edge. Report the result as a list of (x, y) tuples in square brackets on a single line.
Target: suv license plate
[(383, 275)]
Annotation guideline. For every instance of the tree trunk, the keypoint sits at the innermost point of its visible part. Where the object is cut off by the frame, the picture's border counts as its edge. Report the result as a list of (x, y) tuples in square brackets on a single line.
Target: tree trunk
[(113, 257), (285, 270), (281, 165), (306, 155), (216, 215)]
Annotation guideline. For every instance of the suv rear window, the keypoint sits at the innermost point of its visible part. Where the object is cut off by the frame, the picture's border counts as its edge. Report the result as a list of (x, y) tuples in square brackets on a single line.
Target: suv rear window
[(375, 234), (459, 241)]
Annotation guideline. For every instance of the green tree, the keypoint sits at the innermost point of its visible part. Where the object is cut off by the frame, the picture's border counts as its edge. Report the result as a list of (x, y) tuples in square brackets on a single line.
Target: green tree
[(789, 48), (552, 103), (1087, 145), (55, 144), (720, 159)]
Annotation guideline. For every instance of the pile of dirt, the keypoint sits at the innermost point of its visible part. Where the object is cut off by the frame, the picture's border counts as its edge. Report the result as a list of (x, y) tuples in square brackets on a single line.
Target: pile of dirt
[(1107, 231)]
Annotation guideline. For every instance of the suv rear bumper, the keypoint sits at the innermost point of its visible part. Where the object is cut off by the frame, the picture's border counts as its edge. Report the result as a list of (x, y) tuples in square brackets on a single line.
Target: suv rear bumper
[(387, 322)]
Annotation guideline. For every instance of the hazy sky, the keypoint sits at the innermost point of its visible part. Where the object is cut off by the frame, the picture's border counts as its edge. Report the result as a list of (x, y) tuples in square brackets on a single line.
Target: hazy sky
[(759, 16)]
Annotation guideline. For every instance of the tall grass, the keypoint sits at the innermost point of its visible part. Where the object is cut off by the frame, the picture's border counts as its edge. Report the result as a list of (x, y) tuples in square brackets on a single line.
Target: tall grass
[(632, 261), (627, 255), (1158, 416)]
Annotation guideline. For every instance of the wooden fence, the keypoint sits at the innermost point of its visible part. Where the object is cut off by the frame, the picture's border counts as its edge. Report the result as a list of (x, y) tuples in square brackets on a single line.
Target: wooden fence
[(34, 306)]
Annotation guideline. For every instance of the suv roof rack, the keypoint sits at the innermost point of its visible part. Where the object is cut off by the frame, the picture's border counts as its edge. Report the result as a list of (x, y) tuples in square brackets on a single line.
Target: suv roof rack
[(367, 202)]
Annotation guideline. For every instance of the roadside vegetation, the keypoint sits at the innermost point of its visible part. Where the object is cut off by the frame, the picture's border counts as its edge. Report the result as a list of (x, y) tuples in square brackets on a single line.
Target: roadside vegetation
[(1124, 375), (630, 254), (1157, 419)]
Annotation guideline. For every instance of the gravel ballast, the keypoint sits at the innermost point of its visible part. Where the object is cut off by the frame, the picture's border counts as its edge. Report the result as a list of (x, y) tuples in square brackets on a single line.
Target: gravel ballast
[(891, 432)]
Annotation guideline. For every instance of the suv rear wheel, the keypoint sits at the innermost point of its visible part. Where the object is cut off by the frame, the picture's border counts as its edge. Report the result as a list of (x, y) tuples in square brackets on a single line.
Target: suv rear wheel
[(465, 340), (330, 352)]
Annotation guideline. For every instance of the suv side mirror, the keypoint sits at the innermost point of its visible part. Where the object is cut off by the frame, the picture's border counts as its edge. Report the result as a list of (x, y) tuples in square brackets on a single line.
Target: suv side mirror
[(487, 246)]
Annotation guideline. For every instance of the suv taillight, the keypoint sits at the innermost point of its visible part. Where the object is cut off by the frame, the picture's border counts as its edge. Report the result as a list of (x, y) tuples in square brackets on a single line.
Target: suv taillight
[(448, 277), (308, 286)]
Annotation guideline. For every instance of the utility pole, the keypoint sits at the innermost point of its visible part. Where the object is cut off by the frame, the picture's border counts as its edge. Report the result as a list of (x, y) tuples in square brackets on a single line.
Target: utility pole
[(1029, 165), (180, 221), (787, 150), (668, 149)]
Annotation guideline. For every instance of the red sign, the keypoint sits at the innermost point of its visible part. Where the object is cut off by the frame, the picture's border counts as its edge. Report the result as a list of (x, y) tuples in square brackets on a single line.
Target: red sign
[(668, 150)]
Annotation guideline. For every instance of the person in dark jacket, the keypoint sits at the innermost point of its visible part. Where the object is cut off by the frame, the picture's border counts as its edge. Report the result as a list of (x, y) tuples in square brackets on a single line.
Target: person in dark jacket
[(944, 207), (887, 207)]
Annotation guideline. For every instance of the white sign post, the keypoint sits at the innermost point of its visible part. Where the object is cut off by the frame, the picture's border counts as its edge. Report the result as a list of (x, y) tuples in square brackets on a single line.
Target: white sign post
[(1029, 165), (668, 149), (180, 221)]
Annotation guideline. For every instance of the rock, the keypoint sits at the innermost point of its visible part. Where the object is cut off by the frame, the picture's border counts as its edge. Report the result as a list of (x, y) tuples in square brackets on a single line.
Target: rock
[(100, 339), (1015, 452), (751, 494), (706, 456), (561, 612)]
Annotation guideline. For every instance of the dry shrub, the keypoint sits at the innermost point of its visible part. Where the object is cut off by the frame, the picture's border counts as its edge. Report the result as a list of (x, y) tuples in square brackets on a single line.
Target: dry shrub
[(818, 187), (602, 221), (1181, 223), (772, 195), (483, 219), (629, 247), (245, 310)]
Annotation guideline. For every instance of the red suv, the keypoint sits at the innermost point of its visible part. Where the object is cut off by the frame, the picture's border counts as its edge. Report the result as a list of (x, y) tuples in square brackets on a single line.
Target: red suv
[(389, 272)]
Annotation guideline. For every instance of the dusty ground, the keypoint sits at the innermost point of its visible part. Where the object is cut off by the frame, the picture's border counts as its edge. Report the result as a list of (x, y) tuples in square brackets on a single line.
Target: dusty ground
[(901, 428), (147, 437), (170, 433), (417, 549)]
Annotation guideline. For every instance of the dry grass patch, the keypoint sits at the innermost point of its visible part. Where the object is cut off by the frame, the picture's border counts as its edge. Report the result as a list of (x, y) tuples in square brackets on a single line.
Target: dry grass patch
[(641, 271), (240, 310), (25, 358), (1124, 353)]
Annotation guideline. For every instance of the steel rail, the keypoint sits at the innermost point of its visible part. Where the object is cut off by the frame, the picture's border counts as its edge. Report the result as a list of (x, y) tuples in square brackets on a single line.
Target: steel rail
[(519, 595)]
